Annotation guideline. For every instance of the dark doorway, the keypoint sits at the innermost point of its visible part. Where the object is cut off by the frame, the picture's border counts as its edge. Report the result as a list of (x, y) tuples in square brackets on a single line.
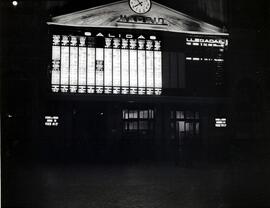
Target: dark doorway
[(89, 131), (185, 135)]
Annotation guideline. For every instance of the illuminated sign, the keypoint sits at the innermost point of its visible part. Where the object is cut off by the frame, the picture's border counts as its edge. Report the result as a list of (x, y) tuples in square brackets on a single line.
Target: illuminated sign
[(137, 19), (220, 122), (207, 42), (51, 120), (107, 64)]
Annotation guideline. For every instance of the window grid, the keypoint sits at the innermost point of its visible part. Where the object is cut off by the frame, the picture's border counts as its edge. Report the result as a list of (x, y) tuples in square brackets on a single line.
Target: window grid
[(77, 74), (138, 120), (186, 123)]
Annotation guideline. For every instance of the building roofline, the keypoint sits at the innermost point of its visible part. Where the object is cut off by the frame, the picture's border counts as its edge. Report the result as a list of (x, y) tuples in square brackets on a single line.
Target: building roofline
[(159, 29)]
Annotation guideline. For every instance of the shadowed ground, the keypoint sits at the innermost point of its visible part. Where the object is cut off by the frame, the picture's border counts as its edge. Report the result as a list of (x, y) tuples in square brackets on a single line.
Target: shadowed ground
[(144, 185)]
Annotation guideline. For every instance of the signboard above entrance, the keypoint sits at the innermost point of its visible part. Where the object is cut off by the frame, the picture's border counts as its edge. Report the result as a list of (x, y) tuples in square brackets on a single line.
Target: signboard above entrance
[(138, 19)]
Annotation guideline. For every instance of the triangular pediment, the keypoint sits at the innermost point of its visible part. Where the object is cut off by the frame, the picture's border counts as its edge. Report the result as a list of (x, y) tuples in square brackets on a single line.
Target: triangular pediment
[(119, 15)]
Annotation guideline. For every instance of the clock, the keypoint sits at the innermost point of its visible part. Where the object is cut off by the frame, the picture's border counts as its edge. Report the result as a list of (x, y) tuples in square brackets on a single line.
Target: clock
[(140, 6)]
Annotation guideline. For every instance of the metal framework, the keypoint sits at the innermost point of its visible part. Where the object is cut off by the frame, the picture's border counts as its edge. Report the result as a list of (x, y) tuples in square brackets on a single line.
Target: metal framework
[(106, 65)]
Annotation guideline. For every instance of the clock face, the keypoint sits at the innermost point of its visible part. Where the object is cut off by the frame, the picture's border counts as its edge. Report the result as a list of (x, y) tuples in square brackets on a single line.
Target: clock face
[(140, 6)]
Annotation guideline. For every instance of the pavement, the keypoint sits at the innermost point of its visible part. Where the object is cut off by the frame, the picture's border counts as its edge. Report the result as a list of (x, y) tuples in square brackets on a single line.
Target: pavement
[(136, 185)]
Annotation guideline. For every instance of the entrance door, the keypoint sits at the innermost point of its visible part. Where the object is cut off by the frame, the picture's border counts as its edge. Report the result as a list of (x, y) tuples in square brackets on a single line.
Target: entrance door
[(138, 132), (185, 134), (89, 131)]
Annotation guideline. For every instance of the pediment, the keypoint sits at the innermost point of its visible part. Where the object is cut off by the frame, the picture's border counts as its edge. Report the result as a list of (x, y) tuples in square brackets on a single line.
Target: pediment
[(119, 15)]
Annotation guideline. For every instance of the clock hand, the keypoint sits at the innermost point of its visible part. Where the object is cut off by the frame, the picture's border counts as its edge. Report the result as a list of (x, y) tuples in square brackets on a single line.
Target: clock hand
[(139, 2), (138, 5)]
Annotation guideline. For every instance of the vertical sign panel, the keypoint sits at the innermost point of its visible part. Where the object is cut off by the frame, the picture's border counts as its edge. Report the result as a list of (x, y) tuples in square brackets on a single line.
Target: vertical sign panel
[(108, 67), (125, 68), (133, 68), (99, 66), (55, 80), (149, 70), (116, 67), (82, 66), (158, 72), (91, 67), (73, 65), (141, 67), (56, 53), (64, 65)]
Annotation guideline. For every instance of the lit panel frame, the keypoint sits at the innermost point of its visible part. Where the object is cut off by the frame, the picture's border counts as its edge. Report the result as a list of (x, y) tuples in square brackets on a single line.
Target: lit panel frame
[(122, 64)]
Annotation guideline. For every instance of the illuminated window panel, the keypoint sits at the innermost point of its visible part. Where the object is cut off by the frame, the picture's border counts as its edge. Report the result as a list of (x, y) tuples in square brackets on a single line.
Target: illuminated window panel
[(121, 65), (91, 62), (73, 66), (138, 120), (99, 67), (82, 66), (149, 69), (55, 79), (141, 68), (56, 53), (108, 68), (116, 67), (133, 69), (158, 72), (64, 65), (125, 68)]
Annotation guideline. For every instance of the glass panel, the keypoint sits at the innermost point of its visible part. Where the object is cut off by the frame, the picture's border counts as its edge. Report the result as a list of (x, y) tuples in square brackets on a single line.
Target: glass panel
[(133, 114), (142, 115), (91, 67), (125, 69), (149, 68), (125, 114), (189, 115), (73, 65), (133, 68), (82, 66), (64, 65), (99, 66), (146, 114), (189, 129), (157, 67), (108, 67), (141, 68), (181, 126), (133, 125), (197, 128), (56, 52), (151, 114), (179, 114), (126, 125), (116, 67), (143, 125)]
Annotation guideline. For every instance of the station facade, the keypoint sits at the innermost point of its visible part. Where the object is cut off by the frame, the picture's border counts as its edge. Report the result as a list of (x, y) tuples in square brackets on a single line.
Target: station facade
[(128, 85)]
